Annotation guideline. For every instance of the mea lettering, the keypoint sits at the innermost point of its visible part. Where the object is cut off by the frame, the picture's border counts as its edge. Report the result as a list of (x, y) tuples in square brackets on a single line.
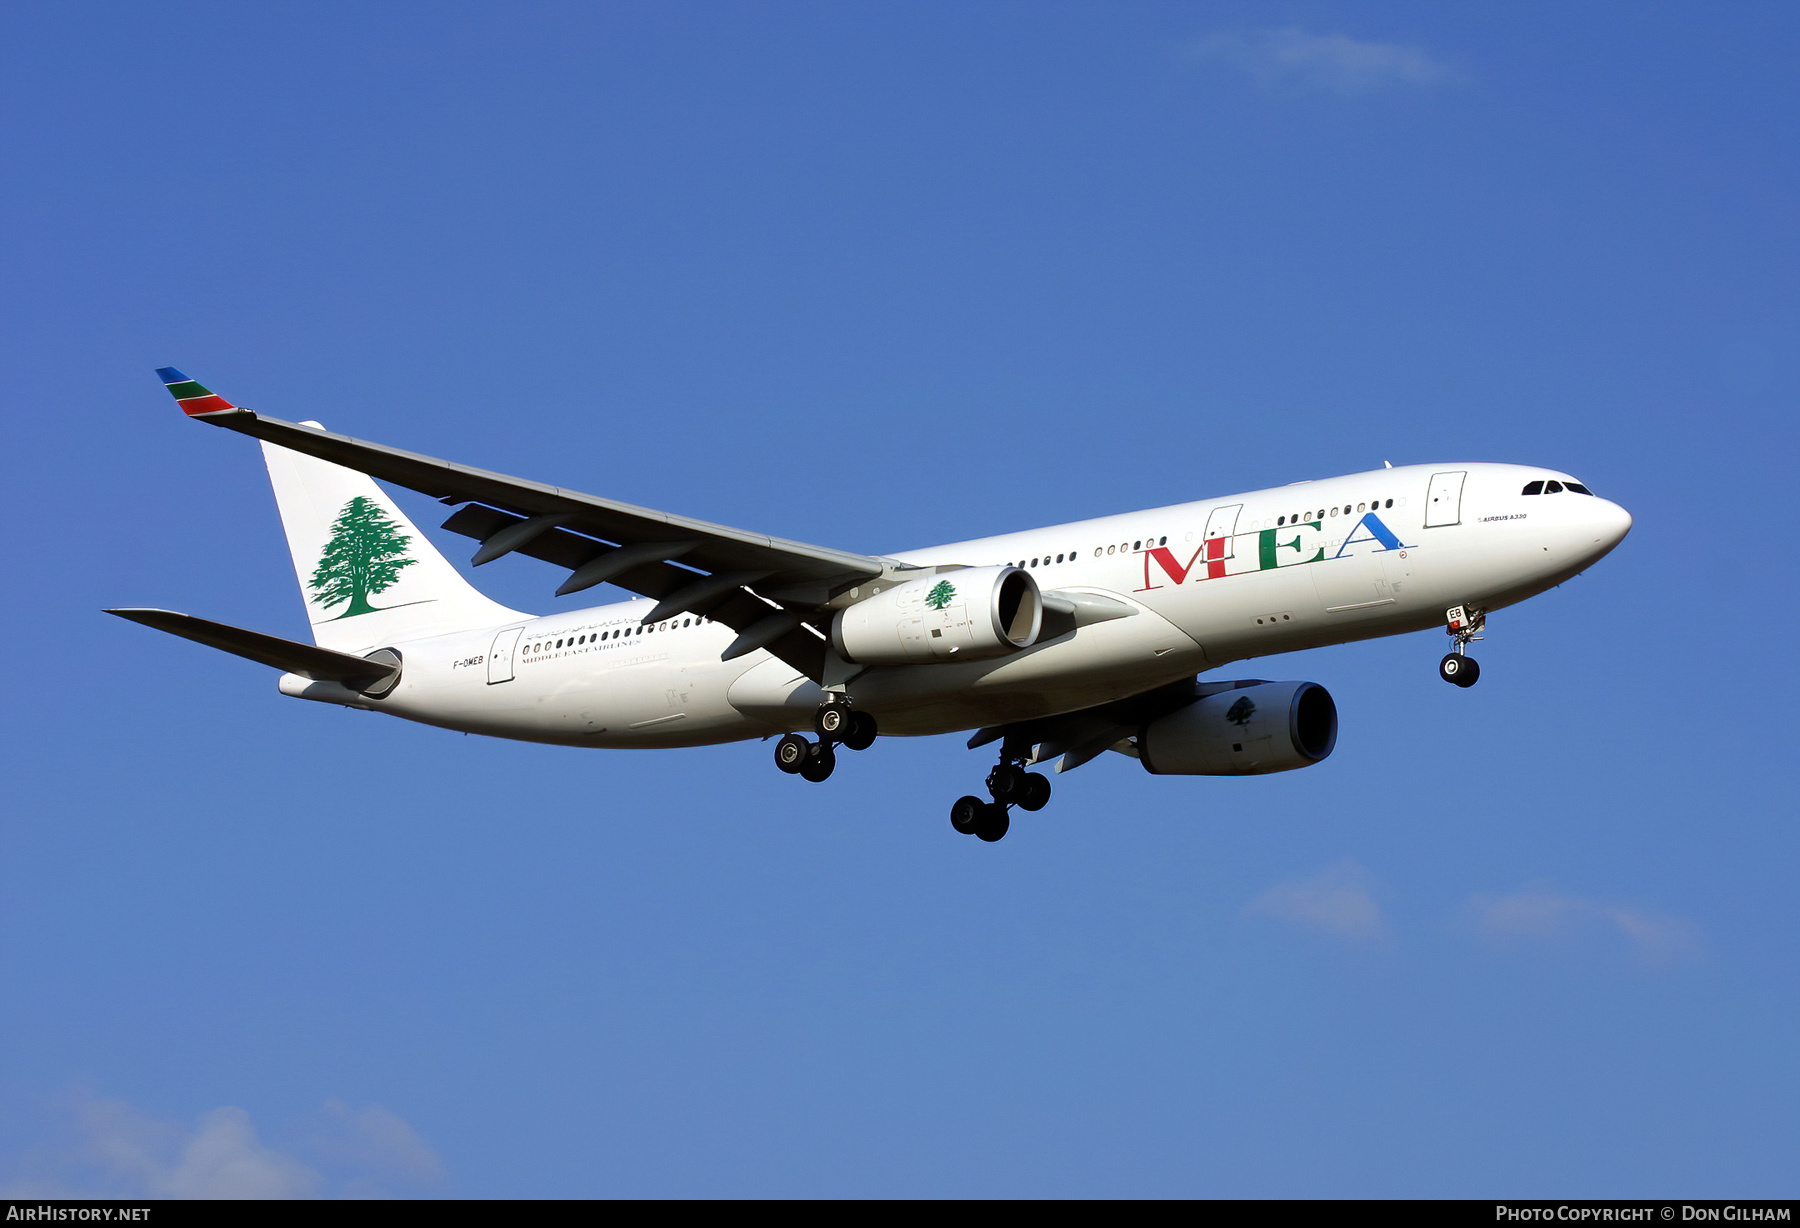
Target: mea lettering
[(1284, 547)]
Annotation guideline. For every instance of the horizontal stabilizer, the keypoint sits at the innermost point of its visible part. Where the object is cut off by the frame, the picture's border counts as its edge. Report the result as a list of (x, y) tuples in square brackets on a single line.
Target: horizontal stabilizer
[(307, 660)]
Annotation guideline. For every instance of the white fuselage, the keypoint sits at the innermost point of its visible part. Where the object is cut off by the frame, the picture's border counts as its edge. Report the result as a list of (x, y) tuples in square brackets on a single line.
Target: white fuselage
[(1211, 582)]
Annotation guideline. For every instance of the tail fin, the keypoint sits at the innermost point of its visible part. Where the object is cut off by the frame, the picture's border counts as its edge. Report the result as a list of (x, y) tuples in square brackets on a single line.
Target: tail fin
[(369, 577)]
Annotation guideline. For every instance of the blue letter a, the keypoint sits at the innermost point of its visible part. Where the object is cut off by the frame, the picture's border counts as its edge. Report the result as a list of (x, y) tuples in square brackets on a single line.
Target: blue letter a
[(1370, 529)]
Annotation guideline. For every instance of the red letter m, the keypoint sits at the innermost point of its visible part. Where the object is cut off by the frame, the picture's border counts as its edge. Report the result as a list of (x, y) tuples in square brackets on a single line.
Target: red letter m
[(1165, 559), (1213, 548)]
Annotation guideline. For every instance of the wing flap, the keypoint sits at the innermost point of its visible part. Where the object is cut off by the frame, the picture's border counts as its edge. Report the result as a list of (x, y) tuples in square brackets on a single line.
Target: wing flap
[(737, 609)]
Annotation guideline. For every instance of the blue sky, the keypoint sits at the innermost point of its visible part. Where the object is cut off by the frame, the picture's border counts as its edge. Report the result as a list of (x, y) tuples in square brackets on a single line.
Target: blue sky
[(876, 277)]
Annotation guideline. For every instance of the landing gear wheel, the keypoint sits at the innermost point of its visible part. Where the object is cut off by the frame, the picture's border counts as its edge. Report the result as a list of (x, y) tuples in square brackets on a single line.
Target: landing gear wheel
[(790, 753), (861, 734), (993, 823), (965, 814), (818, 763), (1463, 671), (1036, 794), (1007, 783), (833, 721)]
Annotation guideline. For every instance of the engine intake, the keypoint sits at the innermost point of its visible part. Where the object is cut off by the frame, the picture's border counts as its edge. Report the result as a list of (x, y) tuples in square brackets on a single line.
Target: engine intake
[(965, 615), (1249, 730)]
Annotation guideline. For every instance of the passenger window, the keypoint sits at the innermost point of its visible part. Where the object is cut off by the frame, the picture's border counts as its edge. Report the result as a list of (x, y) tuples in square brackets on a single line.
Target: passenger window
[(1577, 487), (1533, 488), (1390, 503), (1553, 488), (1110, 549), (1137, 545)]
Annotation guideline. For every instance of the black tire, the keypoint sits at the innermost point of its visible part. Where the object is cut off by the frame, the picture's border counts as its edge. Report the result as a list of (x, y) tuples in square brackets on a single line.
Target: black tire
[(861, 734), (819, 763), (790, 753), (1470, 674), (993, 823), (833, 721), (1006, 782), (1037, 792), (965, 814), (1451, 668)]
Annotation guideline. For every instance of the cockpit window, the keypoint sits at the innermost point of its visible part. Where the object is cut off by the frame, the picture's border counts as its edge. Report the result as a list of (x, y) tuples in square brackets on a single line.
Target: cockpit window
[(1577, 487), (1533, 488), (1553, 487)]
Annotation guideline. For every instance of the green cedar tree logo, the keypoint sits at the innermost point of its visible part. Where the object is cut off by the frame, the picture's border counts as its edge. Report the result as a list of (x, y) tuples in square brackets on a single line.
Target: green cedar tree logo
[(941, 596), (364, 557)]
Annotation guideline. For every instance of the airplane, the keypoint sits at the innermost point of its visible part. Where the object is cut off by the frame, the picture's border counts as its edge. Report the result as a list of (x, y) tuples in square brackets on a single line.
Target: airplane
[(1059, 643)]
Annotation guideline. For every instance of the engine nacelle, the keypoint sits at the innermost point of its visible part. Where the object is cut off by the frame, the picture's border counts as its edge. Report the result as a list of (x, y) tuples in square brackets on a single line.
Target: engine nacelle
[(1248, 731), (964, 615)]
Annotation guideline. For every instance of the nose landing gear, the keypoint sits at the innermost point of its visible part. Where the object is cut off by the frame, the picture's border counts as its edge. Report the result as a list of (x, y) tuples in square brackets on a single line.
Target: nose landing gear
[(1461, 624), (837, 723)]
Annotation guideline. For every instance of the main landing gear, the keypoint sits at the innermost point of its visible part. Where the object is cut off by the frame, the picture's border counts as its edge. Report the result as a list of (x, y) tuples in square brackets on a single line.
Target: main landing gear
[(837, 723), (1461, 624), (1010, 785)]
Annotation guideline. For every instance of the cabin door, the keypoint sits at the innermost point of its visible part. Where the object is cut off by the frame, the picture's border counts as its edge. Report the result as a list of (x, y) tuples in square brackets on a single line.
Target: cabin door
[(1443, 502), (500, 656)]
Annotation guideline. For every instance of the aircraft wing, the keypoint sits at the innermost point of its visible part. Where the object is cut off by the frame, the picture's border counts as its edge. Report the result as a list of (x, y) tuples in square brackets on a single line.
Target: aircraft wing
[(1076, 737), (686, 564)]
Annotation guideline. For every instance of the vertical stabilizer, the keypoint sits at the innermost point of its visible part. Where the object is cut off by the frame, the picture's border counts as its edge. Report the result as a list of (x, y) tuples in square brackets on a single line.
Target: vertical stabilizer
[(369, 577)]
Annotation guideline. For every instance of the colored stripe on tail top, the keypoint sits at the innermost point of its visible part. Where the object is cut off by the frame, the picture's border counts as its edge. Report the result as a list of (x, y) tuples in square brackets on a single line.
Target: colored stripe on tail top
[(196, 400)]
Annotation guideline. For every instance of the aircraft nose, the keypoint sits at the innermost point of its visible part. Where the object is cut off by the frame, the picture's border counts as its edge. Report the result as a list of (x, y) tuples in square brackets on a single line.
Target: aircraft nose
[(1610, 525)]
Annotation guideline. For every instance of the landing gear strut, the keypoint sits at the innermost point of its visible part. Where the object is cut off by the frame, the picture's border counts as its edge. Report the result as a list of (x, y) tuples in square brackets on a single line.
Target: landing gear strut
[(1461, 624), (836, 722), (1010, 785)]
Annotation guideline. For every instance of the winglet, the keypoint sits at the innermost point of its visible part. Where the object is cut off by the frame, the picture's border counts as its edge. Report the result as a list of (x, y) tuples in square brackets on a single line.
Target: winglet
[(195, 399)]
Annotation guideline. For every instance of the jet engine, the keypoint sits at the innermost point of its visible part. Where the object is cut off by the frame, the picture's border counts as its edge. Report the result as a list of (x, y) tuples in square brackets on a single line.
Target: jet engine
[(1249, 730), (963, 615)]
